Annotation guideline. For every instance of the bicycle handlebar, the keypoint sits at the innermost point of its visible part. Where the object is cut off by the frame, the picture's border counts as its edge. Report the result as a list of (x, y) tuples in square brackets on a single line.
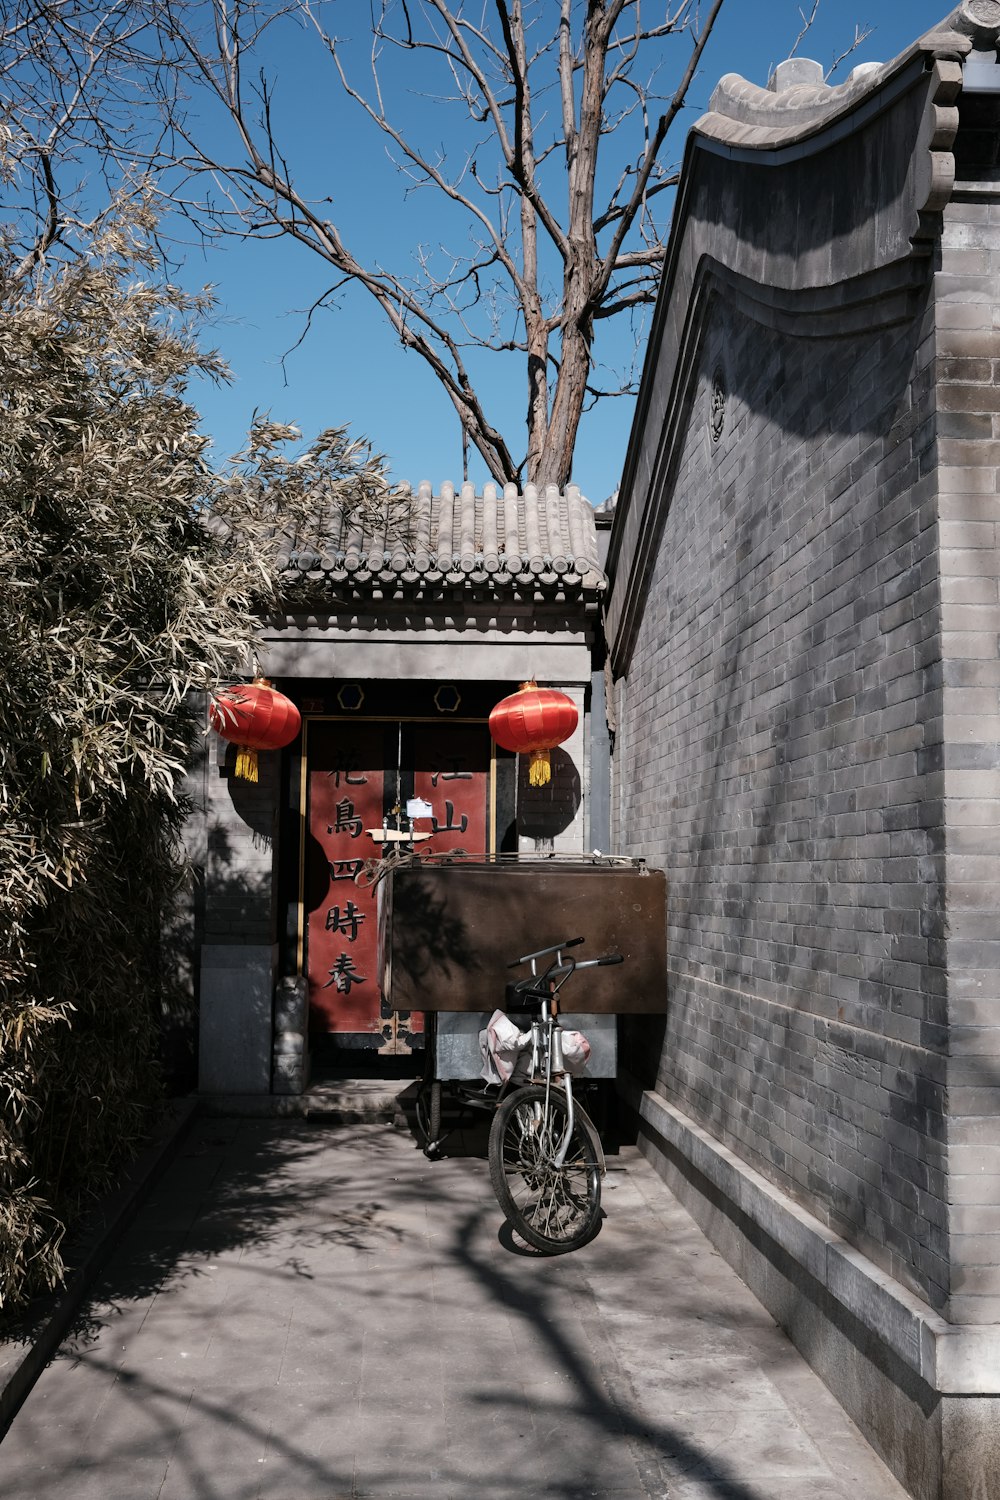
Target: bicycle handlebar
[(544, 952), (561, 972)]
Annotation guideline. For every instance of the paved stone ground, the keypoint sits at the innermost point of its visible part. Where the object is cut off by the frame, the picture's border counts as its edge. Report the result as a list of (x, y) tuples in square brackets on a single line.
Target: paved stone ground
[(309, 1312)]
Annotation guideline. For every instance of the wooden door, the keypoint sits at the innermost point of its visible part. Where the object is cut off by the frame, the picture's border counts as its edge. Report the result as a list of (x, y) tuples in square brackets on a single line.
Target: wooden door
[(449, 771), (360, 774), (348, 768)]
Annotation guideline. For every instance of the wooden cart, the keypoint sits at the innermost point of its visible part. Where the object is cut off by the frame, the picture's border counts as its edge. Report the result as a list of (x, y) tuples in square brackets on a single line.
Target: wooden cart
[(452, 928)]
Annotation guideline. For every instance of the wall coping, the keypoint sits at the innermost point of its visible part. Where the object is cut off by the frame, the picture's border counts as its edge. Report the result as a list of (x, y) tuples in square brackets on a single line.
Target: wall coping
[(824, 289)]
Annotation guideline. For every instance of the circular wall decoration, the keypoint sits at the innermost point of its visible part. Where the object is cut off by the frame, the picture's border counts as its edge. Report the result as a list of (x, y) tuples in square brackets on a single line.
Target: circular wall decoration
[(986, 12), (717, 414), (447, 699)]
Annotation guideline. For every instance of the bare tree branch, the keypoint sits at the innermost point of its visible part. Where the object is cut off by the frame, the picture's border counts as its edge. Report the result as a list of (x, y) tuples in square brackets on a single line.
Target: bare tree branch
[(807, 25), (431, 173), (123, 87), (558, 164), (653, 150), (861, 34)]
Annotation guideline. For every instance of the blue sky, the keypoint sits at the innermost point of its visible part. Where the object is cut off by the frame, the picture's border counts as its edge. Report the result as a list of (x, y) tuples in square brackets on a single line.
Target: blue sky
[(350, 368)]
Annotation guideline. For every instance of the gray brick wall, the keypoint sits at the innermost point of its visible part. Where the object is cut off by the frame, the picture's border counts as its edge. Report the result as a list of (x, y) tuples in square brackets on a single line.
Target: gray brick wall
[(968, 349), (781, 754), (240, 825)]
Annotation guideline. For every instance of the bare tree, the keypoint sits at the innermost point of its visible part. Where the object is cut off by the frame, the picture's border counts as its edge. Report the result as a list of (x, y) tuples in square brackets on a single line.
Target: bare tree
[(561, 241), (556, 173), (84, 94)]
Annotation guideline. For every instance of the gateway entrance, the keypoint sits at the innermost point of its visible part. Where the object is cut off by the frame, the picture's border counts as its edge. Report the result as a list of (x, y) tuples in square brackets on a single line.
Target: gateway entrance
[(365, 780)]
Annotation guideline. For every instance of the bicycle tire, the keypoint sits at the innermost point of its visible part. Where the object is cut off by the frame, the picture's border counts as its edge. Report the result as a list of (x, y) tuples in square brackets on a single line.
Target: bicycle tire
[(554, 1209), (428, 1112)]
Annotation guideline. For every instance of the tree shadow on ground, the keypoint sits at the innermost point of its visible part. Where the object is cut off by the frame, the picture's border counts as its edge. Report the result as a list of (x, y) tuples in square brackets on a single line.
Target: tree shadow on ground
[(662, 1453), (297, 1284), (199, 1212)]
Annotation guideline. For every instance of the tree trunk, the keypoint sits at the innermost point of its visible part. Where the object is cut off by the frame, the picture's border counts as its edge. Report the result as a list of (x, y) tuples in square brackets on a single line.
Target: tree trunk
[(555, 463)]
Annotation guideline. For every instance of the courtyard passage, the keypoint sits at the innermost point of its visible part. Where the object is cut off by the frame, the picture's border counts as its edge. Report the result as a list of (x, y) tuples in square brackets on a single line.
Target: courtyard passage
[(308, 1312)]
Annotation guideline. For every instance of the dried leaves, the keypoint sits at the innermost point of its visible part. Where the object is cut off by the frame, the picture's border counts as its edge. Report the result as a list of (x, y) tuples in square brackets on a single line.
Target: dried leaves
[(130, 576)]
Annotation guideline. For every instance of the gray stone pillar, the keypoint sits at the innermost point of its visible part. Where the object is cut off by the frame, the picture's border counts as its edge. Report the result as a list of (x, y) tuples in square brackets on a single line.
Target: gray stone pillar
[(239, 952)]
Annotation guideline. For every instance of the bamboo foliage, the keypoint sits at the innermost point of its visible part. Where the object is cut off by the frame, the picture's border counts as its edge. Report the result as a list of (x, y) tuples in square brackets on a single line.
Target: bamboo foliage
[(131, 576)]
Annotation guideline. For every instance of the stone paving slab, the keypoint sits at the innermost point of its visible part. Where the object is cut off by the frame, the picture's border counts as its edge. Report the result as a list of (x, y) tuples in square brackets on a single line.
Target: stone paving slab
[(30, 1341), (307, 1312)]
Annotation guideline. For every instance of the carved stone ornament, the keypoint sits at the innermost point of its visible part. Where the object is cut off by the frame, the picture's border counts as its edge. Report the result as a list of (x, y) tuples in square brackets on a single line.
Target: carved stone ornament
[(986, 12), (717, 416)]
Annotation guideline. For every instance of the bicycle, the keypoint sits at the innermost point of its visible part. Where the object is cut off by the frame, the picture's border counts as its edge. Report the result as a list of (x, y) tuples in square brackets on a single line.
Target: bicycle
[(545, 1154)]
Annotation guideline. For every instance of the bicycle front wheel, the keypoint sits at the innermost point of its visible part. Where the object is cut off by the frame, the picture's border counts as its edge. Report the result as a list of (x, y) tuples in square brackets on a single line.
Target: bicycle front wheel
[(553, 1208)]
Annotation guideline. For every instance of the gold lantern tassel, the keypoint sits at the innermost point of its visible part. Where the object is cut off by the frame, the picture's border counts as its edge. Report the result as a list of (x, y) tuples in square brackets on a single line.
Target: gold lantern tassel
[(246, 764), (540, 772)]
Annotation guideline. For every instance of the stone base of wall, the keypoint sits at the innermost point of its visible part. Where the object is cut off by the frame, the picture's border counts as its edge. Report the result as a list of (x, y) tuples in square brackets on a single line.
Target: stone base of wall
[(290, 1059), (925, 1393), (236, 1018)]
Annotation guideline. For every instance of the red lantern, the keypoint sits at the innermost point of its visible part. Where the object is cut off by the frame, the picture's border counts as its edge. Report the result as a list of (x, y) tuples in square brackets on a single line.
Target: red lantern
[(532, 722), (254, 718)]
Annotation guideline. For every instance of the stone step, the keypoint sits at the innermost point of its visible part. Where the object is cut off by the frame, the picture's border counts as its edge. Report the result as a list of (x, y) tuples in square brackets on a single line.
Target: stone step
[(342, 1100)]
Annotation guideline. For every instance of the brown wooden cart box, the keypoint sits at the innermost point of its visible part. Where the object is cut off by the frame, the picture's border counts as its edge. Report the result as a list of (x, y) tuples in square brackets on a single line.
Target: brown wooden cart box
[(453, 929)]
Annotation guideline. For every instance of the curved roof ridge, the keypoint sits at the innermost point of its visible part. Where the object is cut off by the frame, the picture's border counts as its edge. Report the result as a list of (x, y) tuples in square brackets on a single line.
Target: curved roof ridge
[(798, 102)]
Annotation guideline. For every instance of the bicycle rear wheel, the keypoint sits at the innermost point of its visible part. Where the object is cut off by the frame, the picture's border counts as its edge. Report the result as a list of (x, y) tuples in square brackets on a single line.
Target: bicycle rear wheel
[(428, 1102), (553, 1208), (428, 1112)]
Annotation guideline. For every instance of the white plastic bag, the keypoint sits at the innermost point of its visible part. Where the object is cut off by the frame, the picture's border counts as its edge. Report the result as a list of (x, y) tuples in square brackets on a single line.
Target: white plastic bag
[(503, 1048), (575, 1050)]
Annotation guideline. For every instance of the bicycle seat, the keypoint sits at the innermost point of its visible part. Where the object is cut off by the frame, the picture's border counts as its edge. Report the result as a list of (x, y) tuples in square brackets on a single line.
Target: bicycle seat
[(522, 994)]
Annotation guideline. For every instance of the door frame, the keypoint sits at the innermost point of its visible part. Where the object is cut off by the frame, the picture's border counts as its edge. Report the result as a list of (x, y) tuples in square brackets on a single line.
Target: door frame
[(303, 795)]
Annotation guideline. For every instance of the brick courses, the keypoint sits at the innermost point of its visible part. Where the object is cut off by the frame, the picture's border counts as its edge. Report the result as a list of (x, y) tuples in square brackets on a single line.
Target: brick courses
[(782, 759), (810, 742), (804, 632), (969, 508), (240, 820)]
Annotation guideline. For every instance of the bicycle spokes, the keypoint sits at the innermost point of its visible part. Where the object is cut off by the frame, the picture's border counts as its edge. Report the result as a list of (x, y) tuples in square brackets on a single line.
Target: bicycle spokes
[(554, 1207)]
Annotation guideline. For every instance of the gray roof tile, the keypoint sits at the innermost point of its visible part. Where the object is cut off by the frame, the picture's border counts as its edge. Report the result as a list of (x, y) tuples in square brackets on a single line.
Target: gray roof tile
[(503, 538)]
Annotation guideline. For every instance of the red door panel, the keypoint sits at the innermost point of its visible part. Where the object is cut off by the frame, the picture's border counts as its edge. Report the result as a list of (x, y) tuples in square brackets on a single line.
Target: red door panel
[(352, 780), (451, 771), (346, 792)]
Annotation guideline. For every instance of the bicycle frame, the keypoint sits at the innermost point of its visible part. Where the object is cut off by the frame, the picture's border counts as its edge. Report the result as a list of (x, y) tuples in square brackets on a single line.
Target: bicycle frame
[(546, 1062), (545, 1037)]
